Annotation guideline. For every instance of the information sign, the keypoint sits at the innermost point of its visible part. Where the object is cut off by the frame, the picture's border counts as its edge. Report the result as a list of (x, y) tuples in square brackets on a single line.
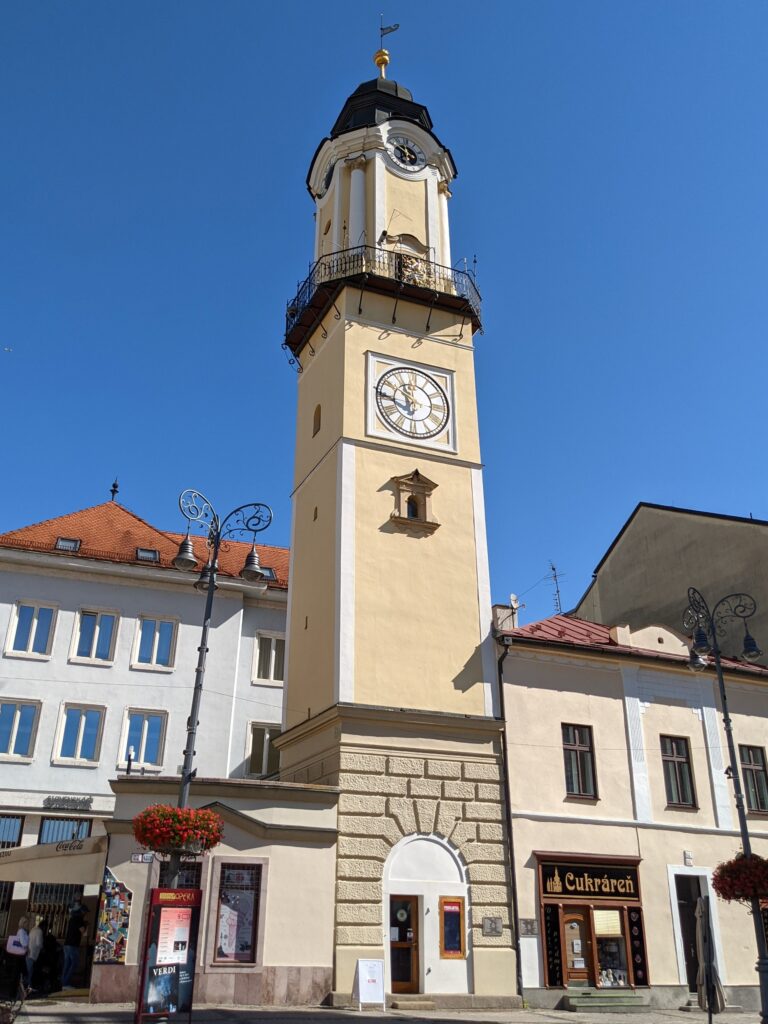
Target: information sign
[(369, 983), (167, 974)]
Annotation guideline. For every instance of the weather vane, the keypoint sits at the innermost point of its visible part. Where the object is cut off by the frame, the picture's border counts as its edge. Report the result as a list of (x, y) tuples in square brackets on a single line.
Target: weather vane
[(384, 30)]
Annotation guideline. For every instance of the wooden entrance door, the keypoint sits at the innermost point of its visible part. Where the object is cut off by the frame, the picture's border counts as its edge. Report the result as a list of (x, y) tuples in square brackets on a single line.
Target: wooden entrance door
[(404, 943), (577, 946)]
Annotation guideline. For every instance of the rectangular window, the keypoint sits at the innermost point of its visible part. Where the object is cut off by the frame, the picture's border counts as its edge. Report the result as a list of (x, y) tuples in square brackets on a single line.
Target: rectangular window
[(10, 830), (264, 759), (579, 758), (6, 892), (238, 913), (60, 830), (451, 928), (755, 778), (156, 643), (147, 555), (145, 736), (17, 728), (31, 630), (81, 734), (678, 777), (67, 544), (52, 901), (96, 635), (190, 874), (269, 659)]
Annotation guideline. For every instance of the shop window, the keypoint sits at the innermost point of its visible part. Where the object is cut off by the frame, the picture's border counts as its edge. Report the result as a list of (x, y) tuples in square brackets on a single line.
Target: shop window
[(452, 928), (579, 759), (58, 830), (10, 833), (238, 913), (611, 948), (678, 777), (52, 901), (755, 777)]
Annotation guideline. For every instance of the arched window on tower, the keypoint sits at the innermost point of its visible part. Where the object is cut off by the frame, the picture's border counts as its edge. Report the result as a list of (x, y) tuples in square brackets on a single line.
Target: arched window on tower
[(316, 420)]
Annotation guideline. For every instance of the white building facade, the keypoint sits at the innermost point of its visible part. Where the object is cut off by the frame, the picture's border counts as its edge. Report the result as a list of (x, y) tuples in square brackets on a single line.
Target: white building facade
[(100, 642)]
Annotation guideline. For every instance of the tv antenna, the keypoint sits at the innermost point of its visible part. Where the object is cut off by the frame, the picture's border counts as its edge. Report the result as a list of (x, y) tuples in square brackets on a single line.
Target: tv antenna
[(555, 576)]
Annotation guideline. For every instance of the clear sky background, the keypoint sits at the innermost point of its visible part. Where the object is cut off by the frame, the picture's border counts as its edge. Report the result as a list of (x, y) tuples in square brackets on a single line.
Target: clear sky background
[(613, 166)]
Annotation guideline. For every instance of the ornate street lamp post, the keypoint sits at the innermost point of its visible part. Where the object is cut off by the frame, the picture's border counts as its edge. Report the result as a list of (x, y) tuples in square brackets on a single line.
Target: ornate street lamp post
[(246, 520), (707, 627)]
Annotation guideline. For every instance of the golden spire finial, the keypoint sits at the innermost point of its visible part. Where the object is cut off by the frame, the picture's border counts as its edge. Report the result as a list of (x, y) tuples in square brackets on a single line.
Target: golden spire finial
[(381, 59)]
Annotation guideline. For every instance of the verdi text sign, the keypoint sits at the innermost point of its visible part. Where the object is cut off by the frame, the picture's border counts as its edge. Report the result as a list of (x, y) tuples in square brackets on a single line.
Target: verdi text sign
[(170, 948), (590, 881)]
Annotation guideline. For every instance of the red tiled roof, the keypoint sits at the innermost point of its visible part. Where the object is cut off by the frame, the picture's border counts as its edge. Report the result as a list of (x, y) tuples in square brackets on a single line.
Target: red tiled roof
[(112, 533), (567, 631)]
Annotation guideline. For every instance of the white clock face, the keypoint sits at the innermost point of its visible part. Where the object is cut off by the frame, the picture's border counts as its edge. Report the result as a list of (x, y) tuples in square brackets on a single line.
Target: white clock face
[(406, 153), (412, 403)]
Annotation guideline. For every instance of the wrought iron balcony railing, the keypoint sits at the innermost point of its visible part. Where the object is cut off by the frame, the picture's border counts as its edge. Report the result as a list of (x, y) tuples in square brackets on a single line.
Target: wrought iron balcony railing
[(399, 273)]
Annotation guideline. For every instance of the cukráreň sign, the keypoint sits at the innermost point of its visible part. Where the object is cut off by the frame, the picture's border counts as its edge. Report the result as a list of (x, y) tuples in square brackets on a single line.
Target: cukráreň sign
[(590, 881)]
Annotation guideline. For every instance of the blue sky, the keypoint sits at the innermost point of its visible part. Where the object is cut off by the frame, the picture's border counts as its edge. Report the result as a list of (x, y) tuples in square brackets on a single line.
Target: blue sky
[(613, 162)]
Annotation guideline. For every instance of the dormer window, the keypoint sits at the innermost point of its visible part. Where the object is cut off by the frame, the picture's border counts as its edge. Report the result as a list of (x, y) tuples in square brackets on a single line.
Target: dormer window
[(147, 555), (67, 544), (413, 503)]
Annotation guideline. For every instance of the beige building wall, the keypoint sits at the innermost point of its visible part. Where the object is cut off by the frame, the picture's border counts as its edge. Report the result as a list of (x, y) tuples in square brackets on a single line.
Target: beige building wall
[(629, 704)]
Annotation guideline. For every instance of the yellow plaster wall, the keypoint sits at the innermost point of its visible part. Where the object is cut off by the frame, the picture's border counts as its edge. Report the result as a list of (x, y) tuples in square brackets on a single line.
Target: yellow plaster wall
[(310, 676), (321, 384), (540, 697), (417, 621), (406, 207)]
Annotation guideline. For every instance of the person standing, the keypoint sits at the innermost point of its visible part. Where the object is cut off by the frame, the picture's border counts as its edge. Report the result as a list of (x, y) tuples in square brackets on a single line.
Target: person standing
[(18, 947), (35, 948), (72, 939)]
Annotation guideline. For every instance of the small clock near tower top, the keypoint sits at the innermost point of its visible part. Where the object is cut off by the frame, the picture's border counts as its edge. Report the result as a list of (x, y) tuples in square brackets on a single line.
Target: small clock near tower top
[(381, 331)]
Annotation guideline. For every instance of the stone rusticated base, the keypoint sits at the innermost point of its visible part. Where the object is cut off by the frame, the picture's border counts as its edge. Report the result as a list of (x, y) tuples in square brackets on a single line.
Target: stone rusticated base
[(268, 986), (386, 797)]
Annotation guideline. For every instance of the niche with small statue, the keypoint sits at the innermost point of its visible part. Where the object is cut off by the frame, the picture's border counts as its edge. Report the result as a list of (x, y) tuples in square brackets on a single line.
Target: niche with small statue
[(413, 503)]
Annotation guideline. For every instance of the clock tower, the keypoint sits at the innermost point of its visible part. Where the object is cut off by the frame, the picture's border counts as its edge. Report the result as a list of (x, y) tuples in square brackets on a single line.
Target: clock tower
[(391, 690)]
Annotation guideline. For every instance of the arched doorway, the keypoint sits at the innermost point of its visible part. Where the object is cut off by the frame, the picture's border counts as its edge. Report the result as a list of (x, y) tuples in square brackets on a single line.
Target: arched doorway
[(426, 917)]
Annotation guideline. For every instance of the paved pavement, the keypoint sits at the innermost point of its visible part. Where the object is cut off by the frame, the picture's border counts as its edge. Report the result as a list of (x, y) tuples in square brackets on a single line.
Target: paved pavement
[(48, 1011)]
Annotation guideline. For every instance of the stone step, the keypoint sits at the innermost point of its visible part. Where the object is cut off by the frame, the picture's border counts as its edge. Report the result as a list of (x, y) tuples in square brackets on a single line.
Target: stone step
[(593, 1000), (398, 1003), (438, 1001)]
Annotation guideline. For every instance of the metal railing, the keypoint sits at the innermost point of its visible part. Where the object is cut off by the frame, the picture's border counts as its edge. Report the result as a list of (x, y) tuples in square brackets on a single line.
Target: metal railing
[(388, 263)]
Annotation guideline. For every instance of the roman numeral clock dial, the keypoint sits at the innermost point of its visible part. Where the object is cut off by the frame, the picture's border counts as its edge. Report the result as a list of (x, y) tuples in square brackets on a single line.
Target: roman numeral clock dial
[(412, 403)]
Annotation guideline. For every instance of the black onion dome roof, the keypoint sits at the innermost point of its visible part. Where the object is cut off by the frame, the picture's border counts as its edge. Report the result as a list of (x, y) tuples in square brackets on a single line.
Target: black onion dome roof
[(376, 101)]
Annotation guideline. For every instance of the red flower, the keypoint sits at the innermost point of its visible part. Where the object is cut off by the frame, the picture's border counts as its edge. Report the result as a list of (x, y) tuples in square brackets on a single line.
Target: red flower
[(742, 879), (163, 828)]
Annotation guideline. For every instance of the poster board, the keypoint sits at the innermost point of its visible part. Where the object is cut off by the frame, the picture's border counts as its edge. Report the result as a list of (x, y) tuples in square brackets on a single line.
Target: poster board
[(369, 983), (113, 921), (167, 975)]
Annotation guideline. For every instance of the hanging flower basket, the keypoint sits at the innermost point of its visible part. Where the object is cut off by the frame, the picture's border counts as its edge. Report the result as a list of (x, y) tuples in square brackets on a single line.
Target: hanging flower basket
[(743, 878), (166, 829)]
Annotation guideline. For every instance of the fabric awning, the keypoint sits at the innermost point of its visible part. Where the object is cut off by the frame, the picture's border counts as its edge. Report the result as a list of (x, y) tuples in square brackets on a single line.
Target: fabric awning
[(80, 861)]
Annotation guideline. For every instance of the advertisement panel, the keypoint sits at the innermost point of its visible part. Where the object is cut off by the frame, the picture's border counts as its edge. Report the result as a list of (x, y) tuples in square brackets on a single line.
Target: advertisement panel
[(167, 975)]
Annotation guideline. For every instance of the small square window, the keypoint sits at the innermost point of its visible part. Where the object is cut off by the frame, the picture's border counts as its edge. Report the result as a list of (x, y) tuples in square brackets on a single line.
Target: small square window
[(67, 544), (268, 574), (269, 659), (31, 630), (155, 645), (264, 758), (144, 737), (80, 734), (147, 555), (95, 636), (18, 724)]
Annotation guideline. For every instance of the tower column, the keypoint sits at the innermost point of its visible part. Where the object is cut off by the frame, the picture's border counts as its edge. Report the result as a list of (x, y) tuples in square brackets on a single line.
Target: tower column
[(445, 194), (357, 203)]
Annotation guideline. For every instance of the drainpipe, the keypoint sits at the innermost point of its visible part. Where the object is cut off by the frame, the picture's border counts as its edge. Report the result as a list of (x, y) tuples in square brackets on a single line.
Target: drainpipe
[(506, 643)]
